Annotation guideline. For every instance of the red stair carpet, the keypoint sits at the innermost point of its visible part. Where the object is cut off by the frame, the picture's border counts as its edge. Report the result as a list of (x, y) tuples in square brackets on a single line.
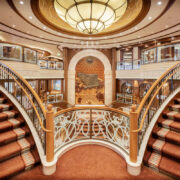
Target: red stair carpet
[(17, 147), (163, 150)]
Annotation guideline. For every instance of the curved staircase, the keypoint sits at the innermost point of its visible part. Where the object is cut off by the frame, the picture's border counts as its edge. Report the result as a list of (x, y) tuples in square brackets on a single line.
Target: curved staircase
[(17, 147), (163, 149)]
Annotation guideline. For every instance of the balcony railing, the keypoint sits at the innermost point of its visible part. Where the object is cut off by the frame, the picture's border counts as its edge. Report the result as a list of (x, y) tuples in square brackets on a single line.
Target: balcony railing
[(128, 65), (100, 123)]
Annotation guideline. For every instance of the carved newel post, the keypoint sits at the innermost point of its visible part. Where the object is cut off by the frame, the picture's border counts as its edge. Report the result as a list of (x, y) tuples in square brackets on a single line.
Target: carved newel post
[(133, 135), (50, 135)]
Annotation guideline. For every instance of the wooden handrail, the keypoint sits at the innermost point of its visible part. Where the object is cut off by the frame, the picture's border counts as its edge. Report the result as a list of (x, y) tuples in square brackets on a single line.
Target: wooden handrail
[(154, 95), (153, 86), (29, 86), (40, 121), (93, 107)]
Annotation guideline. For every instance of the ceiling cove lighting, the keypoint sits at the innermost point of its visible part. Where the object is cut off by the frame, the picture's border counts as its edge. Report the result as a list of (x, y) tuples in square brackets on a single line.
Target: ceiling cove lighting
[(90, 16)]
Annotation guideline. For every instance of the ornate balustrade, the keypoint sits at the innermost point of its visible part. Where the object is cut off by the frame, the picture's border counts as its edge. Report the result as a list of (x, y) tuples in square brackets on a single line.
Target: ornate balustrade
[(107, 124), (156, 95), (122, 130), (27, 97)]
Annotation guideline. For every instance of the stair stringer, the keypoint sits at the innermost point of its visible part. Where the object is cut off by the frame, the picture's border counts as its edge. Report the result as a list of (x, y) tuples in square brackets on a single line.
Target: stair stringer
[(29, 123), (152, 124)]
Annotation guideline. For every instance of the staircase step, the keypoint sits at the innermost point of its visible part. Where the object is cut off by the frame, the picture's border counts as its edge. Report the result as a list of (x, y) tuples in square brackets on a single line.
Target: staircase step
[(165, 148), (169, 114), (13, 135), (169, 124), (170, 167), (177, 100), (2, 100), (17, 164), (8, 114), (10, 124), (175, 107), (168, 135), (15, 148), (5, 107), (163, 164)]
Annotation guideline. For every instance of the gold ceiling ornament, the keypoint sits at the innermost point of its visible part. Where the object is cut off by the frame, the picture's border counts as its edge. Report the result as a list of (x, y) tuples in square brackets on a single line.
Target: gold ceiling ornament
[(90, 16)]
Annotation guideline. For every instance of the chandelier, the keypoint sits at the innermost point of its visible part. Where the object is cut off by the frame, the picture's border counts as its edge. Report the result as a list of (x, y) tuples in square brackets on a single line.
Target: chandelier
[(90, 16)]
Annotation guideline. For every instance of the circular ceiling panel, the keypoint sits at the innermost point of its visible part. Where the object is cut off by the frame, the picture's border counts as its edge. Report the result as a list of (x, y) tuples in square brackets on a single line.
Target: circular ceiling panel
[(135, 11)]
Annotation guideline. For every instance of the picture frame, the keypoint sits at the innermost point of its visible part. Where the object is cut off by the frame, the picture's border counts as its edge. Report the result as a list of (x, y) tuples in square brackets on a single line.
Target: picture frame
[(10, 52), (43, 64), (30, 56), (51, 65), (59, 97), (59, 65)]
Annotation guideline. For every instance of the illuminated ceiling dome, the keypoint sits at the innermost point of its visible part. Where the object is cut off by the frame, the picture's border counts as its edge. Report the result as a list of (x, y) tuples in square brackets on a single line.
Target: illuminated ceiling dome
[(90, 16)]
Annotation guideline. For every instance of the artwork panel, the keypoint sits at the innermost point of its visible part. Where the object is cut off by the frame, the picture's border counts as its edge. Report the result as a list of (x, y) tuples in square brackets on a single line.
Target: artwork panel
[(11, 52), (43, 64), (51, 65), (59, 65), (30, 56)]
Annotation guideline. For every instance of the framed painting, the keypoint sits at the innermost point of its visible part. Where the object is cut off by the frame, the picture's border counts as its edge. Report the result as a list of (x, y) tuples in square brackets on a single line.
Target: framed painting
[(51, 65), (11, 52), (30, 56), (43, 64), (59, 65)]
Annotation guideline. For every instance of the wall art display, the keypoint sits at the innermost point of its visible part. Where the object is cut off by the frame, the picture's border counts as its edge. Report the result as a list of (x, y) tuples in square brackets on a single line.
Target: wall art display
[(59, 65), (149, 56), (59, 97), (51, 98), (166, 53), (89, 84), (51, 65), (30, 56), (43, 64), (11, 52)]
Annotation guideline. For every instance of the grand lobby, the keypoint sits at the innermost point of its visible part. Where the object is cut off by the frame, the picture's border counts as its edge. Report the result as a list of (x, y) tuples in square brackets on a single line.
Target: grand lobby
[(89, 89)]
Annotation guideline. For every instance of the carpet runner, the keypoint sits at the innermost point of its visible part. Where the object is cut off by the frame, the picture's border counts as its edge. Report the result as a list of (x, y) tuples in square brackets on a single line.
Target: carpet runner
[(17, 147), (163, 150)]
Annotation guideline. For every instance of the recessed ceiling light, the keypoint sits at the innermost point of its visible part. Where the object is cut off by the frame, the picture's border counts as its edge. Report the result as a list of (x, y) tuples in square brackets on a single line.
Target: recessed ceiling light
[(30, 17), (149, 17), (159, 3), (28, 32), (135, 28), (166, 26), (172, 38), (44, 27), (21, 2), (13, 25)]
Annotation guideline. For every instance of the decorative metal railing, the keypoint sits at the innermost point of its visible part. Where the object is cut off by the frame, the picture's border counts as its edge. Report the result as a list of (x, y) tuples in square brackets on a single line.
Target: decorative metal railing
[(128, 65), (125, 98), (154, 98), (27, 97), (101, 123)]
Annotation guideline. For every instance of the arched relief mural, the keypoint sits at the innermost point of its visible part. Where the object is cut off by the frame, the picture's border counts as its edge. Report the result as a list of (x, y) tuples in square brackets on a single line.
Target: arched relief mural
[(107, 74), (89, 85)]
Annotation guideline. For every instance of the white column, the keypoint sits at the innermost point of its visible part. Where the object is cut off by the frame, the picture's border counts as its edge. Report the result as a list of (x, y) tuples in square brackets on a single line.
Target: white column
[(118, 55), (135, 53)]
